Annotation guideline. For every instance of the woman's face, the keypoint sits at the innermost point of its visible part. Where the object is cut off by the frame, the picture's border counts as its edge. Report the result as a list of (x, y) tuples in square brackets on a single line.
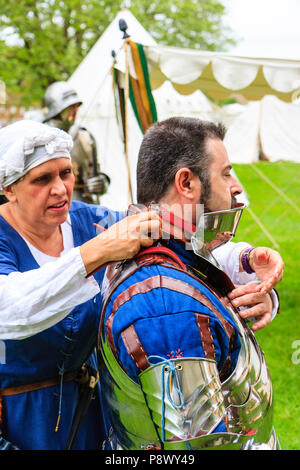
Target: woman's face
[(43, 196)]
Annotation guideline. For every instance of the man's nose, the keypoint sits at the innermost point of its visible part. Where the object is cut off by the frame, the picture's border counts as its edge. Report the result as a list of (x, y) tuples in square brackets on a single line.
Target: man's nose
[(236, 188)]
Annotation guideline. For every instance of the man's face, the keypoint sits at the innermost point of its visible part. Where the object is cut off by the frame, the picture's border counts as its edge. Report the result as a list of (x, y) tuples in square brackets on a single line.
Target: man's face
[(69, 114), (223, 186)]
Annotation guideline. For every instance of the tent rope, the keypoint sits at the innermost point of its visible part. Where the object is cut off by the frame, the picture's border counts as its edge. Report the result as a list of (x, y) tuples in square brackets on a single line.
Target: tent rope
[(278, 190), (266, 232)]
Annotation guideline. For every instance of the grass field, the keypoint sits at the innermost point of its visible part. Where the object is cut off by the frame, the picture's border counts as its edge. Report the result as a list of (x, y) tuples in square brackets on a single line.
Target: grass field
[(274, 220)]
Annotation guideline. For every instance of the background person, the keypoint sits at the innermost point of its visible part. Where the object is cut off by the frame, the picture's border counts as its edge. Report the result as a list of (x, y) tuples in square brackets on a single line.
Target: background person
[(62, 103)]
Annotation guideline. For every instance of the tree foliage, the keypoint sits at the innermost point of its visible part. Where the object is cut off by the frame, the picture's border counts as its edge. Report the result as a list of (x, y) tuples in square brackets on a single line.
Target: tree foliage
[(44, 41), (185, 23)]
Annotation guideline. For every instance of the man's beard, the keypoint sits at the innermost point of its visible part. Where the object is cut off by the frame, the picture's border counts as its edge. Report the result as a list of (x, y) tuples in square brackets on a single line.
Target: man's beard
[(233, 202), (205, 198)]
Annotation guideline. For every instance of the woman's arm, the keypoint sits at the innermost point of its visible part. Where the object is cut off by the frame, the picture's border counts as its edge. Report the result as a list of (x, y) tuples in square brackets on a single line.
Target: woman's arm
[(35, 300)]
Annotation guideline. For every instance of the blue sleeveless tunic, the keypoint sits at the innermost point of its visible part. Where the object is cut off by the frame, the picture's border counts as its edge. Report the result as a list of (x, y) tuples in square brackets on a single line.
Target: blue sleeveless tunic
[(29, 419)]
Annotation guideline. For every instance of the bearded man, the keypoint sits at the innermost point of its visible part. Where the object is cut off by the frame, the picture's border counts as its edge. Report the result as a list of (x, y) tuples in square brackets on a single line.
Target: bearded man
[(181, 366)]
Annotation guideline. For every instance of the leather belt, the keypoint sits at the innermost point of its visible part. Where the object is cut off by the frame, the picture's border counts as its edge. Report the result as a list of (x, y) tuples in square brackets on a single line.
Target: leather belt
[(80, 375)]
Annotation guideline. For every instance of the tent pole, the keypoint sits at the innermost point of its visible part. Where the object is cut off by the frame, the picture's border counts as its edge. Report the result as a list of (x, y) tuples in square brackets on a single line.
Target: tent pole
[(130, 197)]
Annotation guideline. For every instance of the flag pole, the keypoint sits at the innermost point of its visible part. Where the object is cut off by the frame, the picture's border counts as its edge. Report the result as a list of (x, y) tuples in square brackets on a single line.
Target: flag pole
[(123, 27)]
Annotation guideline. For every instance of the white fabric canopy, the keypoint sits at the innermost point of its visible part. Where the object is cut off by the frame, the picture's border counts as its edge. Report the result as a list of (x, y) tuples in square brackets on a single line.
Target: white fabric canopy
[(280, 130), (242, 137), (219, 74), (170, 103)]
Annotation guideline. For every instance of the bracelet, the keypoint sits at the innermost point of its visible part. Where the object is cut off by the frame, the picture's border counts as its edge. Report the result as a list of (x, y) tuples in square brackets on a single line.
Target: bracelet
[(278, 299), (245, 260)]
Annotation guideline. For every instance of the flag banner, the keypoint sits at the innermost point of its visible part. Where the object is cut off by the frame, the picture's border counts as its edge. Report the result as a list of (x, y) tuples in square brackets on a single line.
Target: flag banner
[(119, 103), (140, 93)]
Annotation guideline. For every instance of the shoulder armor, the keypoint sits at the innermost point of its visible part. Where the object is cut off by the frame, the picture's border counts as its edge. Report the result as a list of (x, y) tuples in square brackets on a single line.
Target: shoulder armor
[(187, 393)]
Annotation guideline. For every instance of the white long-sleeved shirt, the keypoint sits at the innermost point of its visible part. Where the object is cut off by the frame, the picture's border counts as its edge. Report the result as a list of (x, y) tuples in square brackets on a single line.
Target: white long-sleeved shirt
[(228, 256), (35, 300)]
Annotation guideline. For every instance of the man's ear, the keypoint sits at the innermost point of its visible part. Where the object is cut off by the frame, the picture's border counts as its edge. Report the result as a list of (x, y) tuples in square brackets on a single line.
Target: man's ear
[(9, 193), (188, 184)]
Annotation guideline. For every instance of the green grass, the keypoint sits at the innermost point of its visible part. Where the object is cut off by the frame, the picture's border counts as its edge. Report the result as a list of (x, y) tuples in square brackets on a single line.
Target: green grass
[(277, 212)]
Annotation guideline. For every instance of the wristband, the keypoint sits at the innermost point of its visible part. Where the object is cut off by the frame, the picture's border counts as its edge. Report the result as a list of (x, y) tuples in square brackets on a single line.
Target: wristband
[(278, 299), (245, 260)]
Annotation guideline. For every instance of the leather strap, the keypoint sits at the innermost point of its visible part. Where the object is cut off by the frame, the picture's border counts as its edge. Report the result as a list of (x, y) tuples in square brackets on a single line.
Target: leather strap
[(135, 348), (162, 282), (158, 255), (164, 256), (207, 342)]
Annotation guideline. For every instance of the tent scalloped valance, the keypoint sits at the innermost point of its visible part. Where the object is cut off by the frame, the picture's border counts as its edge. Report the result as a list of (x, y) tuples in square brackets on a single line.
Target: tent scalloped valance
[(184, 66)]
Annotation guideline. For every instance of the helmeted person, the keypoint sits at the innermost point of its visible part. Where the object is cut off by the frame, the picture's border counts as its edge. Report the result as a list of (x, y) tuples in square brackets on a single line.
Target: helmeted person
[(62, 103), (50, 301), (181, 366)]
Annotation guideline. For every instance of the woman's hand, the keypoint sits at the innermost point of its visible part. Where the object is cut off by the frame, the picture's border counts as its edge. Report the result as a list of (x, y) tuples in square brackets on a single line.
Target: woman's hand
[(122, 240), (259, 305)]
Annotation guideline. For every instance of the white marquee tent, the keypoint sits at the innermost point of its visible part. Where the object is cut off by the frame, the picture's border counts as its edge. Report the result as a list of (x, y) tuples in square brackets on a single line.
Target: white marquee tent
[(187, 72), (267, 129), (220, 75)]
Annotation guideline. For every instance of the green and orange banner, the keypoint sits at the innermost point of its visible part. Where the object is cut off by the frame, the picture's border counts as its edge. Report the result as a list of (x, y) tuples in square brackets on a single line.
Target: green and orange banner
[(140, 94)]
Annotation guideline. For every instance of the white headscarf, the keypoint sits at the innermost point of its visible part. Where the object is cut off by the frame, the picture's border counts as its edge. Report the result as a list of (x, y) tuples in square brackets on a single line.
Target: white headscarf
[(26, 144)]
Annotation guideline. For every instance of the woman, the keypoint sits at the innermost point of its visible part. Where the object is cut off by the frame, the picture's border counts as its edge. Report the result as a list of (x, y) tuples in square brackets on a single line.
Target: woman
[(49, 303)]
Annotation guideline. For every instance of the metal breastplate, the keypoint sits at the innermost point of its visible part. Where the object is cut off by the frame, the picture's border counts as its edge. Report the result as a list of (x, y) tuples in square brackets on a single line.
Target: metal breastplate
[(144, 416), (178, 404), (248, 391)]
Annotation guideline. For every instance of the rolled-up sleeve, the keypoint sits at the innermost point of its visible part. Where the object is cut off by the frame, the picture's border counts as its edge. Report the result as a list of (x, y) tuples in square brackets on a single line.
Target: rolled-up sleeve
[(228, 256)]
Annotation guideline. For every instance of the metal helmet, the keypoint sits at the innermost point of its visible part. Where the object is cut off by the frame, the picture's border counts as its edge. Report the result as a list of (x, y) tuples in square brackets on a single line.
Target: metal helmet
[(59, 96)]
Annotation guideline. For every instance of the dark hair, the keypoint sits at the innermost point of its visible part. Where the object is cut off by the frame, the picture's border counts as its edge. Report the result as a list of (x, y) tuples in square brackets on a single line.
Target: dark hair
[(170, 145)]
